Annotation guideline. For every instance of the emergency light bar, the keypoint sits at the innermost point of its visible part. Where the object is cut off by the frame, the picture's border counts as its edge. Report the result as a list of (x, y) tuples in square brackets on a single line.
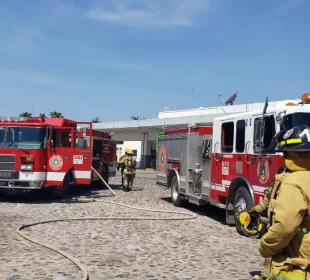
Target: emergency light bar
[(12, 119), (22, 119), (305, 98)]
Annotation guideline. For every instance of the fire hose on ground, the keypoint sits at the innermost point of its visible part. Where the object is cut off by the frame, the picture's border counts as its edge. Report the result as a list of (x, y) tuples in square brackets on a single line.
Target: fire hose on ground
[(186, 216)]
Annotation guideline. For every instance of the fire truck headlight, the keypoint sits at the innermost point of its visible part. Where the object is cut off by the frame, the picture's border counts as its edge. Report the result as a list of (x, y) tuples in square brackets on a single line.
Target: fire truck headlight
[(26, 167), (26, 159)]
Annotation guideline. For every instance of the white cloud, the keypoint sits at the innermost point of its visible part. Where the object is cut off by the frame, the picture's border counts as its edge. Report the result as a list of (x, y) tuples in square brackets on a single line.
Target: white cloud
[(288, 5), (149, 13)]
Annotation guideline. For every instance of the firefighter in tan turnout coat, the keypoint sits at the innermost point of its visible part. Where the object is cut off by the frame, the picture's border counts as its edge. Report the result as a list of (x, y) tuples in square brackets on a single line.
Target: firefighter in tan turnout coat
[(128, 164), (287, 241), (263, 207)]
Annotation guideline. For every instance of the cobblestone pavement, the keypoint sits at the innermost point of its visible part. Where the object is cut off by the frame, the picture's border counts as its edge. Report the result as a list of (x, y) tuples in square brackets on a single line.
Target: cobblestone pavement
[(203, 248)]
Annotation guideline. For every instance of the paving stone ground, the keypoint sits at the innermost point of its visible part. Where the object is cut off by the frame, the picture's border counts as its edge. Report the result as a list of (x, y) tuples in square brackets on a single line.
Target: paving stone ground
[(204, 248)]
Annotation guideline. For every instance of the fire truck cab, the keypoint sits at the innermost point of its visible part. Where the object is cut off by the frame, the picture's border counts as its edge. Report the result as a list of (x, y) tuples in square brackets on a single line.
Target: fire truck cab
[(52, 154), (227, 164)]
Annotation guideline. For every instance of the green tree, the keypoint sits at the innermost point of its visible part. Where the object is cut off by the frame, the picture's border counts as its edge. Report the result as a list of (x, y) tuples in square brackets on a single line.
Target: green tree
[(135, 118), (96, 120), (25, 114), (56, 114), (42, 115)]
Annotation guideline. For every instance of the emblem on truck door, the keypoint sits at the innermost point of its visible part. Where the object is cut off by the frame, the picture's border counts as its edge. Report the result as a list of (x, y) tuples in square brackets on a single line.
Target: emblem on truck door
[(263, 171), (162, 158), (56, 162)]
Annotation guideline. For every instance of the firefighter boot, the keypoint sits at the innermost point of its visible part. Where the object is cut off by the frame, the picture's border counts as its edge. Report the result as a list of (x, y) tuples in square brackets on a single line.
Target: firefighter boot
[(125, 183), (130, 181)]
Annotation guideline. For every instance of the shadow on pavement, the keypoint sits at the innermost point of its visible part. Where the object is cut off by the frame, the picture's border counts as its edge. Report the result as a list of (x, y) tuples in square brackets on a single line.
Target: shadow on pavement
[(253, 273), (210, 211), (76, 191)]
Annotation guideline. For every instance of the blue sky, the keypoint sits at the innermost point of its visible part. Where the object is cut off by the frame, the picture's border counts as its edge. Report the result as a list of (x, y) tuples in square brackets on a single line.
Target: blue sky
[(117, 58)]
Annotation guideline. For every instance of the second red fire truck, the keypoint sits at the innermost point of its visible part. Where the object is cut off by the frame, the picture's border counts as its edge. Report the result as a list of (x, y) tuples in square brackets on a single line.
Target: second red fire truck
[(52, 154), (225, 164)]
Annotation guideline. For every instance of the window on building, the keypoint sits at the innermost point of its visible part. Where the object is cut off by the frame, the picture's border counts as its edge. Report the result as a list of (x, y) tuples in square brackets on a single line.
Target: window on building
[(240, 136), (264, 131), (227, 137)]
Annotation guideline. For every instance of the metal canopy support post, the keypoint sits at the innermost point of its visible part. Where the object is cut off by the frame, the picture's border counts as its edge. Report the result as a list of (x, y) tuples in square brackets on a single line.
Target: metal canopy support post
[(144, 149)]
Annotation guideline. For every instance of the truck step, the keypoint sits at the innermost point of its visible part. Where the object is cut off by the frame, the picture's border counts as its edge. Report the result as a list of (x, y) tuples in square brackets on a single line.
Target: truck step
[(221, 205), (205, 197), (198, 200)]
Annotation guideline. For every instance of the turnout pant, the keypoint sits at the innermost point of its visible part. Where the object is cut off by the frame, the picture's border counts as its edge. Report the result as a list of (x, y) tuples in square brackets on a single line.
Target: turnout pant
[(127, 180)]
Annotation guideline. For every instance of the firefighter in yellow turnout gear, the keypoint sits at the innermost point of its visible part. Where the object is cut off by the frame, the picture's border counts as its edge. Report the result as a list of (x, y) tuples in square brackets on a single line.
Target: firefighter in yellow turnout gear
[(128, 164), (261, 208), (287, 241)]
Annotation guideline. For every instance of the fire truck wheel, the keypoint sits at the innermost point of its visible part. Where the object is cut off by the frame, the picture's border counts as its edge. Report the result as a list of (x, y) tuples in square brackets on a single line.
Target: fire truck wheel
[(60, 191), (242, 201), (175, 194)]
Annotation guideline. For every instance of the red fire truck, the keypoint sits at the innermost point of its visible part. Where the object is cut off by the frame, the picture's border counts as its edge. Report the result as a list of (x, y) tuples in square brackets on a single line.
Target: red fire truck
[(52, 154), (225, 164)]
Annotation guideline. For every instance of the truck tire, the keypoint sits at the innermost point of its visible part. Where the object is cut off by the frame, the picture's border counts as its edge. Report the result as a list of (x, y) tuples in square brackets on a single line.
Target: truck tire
[(175, 193), (243, 200)]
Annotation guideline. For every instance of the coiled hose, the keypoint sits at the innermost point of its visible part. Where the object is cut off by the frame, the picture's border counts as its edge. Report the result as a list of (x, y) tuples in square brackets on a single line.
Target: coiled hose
[(74, 260)]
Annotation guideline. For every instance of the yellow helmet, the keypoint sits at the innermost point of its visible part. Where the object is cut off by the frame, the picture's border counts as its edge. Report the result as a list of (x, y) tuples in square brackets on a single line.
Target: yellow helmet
[(251, 224), (129, 151), (244, 218)]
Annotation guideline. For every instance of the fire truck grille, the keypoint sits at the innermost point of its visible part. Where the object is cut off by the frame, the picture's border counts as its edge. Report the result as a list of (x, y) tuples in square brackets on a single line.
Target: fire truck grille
[(7, 163)]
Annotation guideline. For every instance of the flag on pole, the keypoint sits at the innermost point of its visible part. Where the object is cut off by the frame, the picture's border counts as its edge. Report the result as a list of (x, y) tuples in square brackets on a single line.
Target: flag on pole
[(266, 105)]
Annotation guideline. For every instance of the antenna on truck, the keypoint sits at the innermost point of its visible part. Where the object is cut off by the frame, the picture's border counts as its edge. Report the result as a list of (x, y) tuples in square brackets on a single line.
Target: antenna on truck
[(220, 96)]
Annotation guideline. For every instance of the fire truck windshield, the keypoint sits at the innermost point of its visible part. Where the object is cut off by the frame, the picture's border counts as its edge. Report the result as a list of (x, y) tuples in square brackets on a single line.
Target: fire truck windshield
[(295, 119), (13, 137)]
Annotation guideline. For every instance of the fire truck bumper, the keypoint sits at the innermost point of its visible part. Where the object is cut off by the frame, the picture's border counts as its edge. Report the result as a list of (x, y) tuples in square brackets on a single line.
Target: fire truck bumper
[(27, 185), (20, 180)]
